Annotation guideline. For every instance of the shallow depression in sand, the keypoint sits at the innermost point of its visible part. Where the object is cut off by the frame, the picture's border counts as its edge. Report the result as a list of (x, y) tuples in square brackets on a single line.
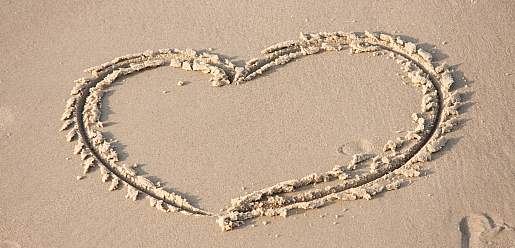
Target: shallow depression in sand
[(283, 125)]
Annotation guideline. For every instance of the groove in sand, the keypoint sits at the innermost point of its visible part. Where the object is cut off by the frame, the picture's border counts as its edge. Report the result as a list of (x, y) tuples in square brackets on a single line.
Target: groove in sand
[(363, 177)]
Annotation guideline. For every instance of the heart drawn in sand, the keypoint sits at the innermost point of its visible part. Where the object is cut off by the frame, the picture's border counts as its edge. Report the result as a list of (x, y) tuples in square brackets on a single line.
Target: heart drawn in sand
[(363, 177)]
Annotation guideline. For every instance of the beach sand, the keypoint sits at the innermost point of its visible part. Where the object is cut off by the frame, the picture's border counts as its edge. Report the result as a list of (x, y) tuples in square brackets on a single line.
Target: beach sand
[(213, 144)]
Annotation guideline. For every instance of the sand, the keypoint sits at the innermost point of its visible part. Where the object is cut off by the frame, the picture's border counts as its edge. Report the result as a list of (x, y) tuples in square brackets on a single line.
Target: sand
[(250, 146)]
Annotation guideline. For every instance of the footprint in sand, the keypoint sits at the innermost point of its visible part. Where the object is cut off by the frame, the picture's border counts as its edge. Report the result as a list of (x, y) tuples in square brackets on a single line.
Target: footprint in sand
[(481, 231)]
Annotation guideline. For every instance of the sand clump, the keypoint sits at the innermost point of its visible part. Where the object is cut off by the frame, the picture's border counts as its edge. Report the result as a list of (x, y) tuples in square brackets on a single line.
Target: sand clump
[(363, 177)]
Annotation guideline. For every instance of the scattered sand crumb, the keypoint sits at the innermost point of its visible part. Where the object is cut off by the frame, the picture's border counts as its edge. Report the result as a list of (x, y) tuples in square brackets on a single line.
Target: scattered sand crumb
[(180, 83), (80, 178), (164, 91), (265, 222)]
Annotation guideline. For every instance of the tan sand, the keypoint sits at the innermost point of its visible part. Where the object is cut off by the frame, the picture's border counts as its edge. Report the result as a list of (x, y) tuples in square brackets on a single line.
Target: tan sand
[(195, 147)]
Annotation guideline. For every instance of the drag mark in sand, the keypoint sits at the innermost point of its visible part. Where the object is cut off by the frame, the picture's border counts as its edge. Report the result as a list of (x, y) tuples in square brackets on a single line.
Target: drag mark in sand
[(362, 178)]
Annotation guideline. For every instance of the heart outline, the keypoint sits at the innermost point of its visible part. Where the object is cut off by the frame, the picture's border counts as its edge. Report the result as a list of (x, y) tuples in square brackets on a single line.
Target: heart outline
[(440, 106)]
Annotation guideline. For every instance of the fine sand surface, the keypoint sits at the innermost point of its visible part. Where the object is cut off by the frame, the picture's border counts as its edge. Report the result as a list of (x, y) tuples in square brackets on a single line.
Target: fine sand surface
[(211, 144)]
